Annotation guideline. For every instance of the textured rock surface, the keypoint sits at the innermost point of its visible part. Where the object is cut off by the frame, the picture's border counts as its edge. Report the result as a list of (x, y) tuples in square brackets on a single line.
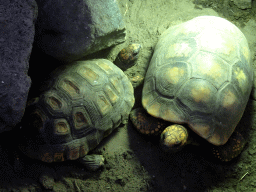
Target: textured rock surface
[(71, 29), (17, 34), (243, 4)]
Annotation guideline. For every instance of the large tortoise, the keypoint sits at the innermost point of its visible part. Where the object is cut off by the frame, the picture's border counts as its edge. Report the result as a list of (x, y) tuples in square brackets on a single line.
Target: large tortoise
[(83, 103), (200, 75)]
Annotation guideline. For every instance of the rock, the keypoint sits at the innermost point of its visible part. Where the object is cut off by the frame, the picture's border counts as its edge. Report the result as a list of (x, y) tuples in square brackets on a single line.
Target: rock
[(243, 4), (17, 36), (71, 29)]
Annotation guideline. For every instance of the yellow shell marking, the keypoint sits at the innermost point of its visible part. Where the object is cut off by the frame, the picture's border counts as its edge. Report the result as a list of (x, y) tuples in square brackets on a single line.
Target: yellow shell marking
[(246, 53), (201, 129), (170, 115), (146, 100), (241, 78), (106, 67), (229, 100), (54, 103), (174, 74), (154, 109), (61, 127), (216, 140), (115, 82), (111, 95), (79, 119), (104, 105), (70, 87), (200, 94), (208, 66), (88, 74)]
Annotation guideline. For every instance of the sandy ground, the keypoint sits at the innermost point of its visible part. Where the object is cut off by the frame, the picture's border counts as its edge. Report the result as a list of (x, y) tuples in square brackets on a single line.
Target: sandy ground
[(133, 161)]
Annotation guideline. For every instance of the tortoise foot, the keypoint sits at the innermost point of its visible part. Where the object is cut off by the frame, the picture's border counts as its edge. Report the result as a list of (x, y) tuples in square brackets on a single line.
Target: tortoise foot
[(92, 162), (231, 149)]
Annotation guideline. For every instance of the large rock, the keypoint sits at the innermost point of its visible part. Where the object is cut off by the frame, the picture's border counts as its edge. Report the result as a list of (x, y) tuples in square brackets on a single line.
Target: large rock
[(71, 29), (17, 34)]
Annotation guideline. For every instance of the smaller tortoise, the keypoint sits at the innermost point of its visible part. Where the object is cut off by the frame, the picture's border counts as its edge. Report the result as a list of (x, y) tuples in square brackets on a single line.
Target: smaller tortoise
[(83, 103), (200, 75)]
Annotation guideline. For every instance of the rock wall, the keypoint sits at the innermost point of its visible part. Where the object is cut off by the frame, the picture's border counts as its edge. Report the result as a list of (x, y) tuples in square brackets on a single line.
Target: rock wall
[(17, 19)]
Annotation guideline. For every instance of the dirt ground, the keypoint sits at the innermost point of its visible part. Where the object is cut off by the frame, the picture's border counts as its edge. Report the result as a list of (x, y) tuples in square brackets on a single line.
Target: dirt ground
[(133, 161)]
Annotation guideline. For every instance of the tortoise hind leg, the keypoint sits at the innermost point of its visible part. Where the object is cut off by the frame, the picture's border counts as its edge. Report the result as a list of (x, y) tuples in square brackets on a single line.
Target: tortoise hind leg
[(231, 149)]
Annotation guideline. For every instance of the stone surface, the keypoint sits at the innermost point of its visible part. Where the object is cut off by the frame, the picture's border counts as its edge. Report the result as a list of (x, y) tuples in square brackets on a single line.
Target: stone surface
[(71, 29), (17, 35), (243, 4), (47, 180)]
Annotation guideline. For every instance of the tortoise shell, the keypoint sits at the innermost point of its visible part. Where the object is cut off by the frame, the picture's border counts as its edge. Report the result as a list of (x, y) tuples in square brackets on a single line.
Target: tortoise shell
[(200, 74), (83, 103)]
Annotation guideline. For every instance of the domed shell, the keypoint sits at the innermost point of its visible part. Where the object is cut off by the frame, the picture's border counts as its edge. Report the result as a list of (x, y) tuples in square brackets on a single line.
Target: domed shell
[(201, 75), (84, 102)]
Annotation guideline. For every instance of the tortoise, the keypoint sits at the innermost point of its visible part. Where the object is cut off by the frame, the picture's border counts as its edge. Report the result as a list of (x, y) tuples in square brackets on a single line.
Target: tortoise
[(83, 102), (200, 75)]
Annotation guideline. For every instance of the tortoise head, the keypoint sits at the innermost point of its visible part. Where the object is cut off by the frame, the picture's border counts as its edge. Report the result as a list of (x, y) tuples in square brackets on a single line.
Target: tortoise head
[(173, 138)]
